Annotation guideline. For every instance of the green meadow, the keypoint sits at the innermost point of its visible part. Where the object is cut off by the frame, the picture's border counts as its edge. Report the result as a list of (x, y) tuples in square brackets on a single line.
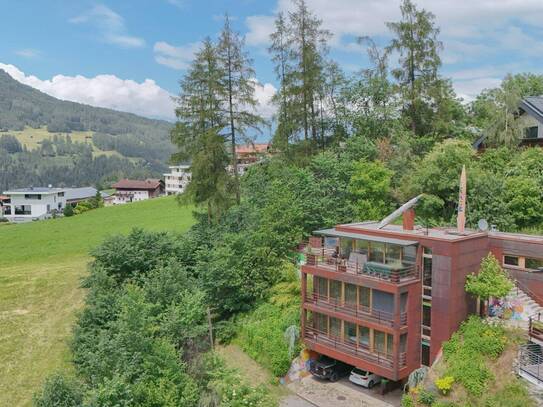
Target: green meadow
[(41, 266)]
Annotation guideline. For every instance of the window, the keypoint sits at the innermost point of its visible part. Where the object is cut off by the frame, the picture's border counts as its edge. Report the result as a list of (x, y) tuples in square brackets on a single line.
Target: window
[(32, 196), (390, 343), (530, 132), (382, 301), (335, 290), (409, 254), (379, 341), (320, 322), (427, 271), (48, 208), (403, 343), (335, 327), (349, 332), (533, 263), (365, 298), (350, 294), (377, 252), (362, 246), (346, 247), (364, 336), (61, 194), (426, 314), (23, 210), (425, 354), (393, 255), (322, 287), (403, 302), (510, 260)]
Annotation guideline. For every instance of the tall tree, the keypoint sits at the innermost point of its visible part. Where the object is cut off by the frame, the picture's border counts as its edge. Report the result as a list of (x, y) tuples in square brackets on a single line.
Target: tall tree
[(239, 89), (415, 38), (299, 49), (200, 119)]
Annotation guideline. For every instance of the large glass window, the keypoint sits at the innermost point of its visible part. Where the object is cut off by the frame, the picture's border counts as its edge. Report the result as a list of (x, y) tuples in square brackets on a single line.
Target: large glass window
[(322, 287), (335, 290), (350, 294), (409, 254), (362, 246), (382, 301), (346, 247), (533, 263), (390, 344), (23, 210), (393, 254), (365, 298), (425, 354), (320, 322), (364, 336), (510, 260), (377, 252), (349, 332), (379, 344), (403, 343), (426, 314), (530, 132), (335, 327)]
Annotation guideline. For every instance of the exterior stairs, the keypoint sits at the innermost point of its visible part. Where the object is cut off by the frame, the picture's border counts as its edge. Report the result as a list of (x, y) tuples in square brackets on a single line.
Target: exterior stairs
[(525, 306)]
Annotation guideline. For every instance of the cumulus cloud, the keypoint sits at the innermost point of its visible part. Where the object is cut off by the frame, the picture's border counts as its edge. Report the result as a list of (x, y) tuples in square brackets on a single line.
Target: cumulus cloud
[(145, 98), (176, 57), (260, 28), (111, 26)]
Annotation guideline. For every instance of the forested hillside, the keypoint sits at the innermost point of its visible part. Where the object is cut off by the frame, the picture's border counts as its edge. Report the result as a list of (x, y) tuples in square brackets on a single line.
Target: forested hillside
[(44, 140)]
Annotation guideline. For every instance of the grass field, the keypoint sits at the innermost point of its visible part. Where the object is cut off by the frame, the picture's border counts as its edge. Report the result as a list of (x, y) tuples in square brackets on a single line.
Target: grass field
[(41, 265)]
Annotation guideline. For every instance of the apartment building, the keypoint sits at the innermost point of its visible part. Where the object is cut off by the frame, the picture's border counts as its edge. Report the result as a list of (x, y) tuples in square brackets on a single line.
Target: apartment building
[(177, 179)]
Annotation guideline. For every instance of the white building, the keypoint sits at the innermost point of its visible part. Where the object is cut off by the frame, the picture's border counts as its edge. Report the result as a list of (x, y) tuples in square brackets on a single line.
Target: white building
[(177, 180), (27, 204)]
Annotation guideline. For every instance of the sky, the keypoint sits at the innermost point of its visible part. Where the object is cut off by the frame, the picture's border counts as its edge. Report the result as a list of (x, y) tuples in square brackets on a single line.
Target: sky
[(129, 55)]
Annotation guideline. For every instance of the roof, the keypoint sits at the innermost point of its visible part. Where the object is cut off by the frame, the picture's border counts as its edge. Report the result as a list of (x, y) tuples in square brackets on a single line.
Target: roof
[(80, 193), (138, 184), (34, 190), (359, 236), (4, 198), (252, 148)]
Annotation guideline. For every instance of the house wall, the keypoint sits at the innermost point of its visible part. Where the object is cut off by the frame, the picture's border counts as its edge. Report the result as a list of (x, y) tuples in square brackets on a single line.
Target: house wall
[(39, 207), (125, 196), (529, 121)]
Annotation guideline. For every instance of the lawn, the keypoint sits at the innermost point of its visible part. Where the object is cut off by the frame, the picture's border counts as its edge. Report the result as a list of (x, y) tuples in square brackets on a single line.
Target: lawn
[(41, 265)]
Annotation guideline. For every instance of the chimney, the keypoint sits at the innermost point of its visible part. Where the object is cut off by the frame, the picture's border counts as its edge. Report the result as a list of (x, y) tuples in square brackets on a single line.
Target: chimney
[(408, 219)]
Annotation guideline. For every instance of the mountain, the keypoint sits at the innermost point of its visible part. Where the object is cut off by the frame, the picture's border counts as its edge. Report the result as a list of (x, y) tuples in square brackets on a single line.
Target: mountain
[(56, 136)]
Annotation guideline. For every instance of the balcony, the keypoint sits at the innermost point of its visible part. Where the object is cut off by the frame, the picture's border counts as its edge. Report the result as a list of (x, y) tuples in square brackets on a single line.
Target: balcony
[(530, 363), (535, 328), (325, 259), (360, 312), (351, 349)]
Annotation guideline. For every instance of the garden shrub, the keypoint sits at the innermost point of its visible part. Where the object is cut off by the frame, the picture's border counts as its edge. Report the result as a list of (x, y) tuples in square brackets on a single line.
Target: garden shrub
[(426, 397), (59, 391), (444, 384)]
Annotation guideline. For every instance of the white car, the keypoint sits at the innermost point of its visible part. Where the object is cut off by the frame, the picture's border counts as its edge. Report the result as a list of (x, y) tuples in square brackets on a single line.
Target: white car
[(364, 378)]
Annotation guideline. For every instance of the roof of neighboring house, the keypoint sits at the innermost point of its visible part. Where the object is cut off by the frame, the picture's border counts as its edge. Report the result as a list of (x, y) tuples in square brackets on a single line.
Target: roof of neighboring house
[(138, 184), (34, 190), (252, 148), (4, 198), (532, 105), (73, 194)]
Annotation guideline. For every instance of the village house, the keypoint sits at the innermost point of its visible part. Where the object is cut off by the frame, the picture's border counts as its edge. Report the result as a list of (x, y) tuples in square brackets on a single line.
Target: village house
[(76, 195), (135, 190), (27, 204), (250, 154), (177, 179)]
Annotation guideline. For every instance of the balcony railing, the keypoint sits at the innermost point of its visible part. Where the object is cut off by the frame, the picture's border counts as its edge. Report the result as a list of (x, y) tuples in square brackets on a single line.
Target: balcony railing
[(324, 258), (530, 362), (535, 327), (360, 311), (351, 348)]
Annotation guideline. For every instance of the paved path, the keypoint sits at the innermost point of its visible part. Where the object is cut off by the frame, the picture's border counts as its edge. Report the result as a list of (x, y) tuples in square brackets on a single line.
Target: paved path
[(295, 401)]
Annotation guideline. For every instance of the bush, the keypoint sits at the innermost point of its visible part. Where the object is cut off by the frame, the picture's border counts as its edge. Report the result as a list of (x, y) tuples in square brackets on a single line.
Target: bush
[(59, 391), (68, 210), (426, 397), (407, 401), (444, 384)]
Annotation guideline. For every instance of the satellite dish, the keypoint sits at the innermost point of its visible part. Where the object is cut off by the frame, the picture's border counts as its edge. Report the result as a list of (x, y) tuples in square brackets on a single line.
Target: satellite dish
[(482, 225)]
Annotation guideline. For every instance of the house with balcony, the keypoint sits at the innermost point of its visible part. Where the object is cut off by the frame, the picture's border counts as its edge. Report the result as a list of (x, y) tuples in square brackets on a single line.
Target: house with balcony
[(250, 154), (28, 204), (385, 298), (530, 120), (127, 190), (177, 180)]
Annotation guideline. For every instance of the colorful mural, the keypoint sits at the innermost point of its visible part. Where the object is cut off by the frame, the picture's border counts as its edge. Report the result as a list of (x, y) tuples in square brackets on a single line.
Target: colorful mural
[(507, 309)]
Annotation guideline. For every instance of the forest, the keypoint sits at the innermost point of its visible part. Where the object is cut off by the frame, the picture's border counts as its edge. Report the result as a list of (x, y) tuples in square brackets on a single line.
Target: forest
[(346, 148)]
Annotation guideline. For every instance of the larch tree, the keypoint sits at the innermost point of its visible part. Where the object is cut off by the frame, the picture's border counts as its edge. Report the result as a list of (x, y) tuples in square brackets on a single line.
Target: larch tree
[(200, 119), (416, 40), (238, 83)]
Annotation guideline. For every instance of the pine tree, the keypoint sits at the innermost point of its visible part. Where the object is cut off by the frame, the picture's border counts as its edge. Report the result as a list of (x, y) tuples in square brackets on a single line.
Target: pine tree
[(239, 89), (416, 41), (200, 119)]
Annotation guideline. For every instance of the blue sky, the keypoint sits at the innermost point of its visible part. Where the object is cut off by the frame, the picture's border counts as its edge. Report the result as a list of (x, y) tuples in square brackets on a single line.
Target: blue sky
[(130, 55)]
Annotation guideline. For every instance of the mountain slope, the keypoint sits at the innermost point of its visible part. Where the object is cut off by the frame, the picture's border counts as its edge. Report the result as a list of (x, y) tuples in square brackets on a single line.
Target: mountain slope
[(57, 137)]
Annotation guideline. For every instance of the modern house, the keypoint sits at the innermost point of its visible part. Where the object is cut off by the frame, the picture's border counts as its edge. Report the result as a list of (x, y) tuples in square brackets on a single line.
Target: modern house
[(27, 204), (530, 117), (134, 190), (4, 205), (76, 195), (384, 298), (177, 179)]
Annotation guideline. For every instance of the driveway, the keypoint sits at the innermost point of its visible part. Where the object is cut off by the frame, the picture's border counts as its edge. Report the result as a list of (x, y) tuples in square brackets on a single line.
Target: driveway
[(340, 394)]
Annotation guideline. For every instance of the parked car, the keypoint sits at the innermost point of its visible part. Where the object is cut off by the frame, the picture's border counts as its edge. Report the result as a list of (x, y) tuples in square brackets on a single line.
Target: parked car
[(364, 378), (330, 369)]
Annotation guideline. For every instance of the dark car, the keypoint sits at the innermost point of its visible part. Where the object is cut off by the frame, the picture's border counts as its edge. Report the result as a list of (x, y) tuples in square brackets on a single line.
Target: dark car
[(330, 369)]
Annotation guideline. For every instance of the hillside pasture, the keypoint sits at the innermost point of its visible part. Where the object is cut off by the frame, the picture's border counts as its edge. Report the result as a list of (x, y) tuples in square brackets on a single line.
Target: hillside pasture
[(41, 267)]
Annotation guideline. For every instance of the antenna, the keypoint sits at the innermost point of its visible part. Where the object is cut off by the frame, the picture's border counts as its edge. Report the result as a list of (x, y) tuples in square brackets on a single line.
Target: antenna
[(390, 218), (482, 225)]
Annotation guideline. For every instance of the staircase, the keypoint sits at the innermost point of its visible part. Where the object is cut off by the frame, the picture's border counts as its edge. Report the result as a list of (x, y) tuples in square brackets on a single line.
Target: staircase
[(519, 299)]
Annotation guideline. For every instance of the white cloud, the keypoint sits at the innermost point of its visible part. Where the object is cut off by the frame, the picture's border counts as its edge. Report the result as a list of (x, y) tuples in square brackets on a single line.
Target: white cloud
[(145, 98), (174, 57), (111, 26), (264, 94), (177, 3), (260, 28), (28, 53)]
